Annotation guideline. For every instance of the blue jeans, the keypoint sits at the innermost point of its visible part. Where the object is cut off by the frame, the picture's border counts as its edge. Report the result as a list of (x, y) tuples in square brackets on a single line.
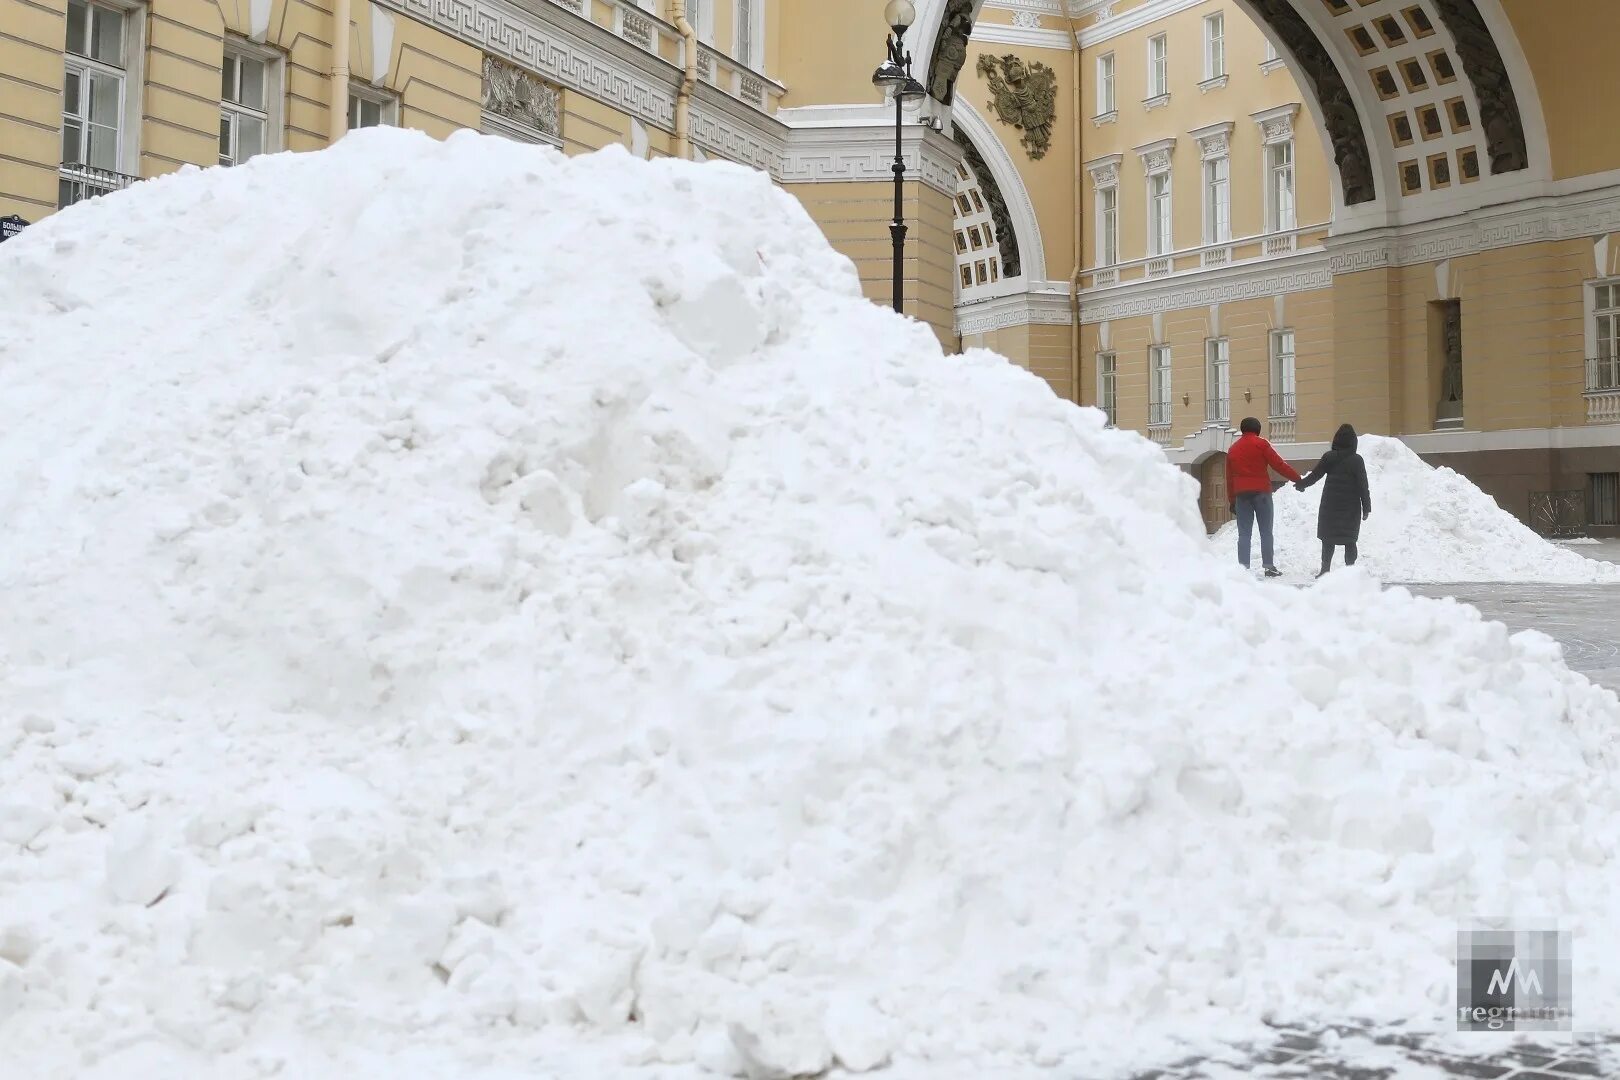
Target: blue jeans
[(1252, 506)]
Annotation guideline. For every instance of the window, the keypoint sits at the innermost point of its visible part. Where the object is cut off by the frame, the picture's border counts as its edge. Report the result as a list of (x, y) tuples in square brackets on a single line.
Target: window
[(1280, 187), (369, 109), (1272, 56), (245, 99), (1217, 379), (1603, 369), (1159, 407), (1107, 226), (1158, 66), (1603, 498), (1159, 220), (745, 32), (1217, 201), (1214, 46), (93, 99), (1282, 373), (1106, 103), (1106, 374)]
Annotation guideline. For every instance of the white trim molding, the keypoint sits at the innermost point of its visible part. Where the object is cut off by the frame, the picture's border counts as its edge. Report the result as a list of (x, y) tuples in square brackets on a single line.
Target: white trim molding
[(1276, 125), (1136, 18), (1038, 308), (1579, 214), (1246, 281), (840, 143), (1105, 170), (1214, 140), (1156, 156), (1004, 170), (1025, 37)]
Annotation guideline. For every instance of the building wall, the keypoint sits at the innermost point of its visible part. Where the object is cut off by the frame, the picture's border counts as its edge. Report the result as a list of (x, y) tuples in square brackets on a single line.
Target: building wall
[(1570, 48), (854, 217)]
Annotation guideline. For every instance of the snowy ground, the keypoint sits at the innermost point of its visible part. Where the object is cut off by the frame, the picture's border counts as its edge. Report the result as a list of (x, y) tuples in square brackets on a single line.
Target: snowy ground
[(676, 667)]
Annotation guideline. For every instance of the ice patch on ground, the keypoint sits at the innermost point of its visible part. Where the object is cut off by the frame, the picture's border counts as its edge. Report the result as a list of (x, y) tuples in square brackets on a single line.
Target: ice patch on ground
[(607, 645)]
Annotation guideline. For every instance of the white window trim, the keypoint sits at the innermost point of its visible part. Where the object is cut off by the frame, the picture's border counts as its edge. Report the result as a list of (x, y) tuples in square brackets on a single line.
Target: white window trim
[(389, 101), (1156, 94), (1273, 225), (275, 76), (704, 26), (1210, 232), (1107, 87), (1277, 354), (1154, 250), (130, 113), (1212, 351), (1109, 408), (756, 39), (1105, 230), (1168, 401), (1211, 72)]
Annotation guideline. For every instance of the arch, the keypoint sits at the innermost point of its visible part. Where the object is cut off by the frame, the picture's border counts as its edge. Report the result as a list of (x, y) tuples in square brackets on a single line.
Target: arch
[(1443, 63), (981, 137), (940, 43)]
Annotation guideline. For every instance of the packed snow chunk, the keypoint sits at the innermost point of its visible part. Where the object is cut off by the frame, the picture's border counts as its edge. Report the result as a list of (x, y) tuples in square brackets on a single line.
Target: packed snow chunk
[(1429, 524), (583, 637)]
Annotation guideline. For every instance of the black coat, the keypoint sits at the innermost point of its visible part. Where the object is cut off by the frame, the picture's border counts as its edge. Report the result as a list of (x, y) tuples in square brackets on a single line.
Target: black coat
[(1345, 498)]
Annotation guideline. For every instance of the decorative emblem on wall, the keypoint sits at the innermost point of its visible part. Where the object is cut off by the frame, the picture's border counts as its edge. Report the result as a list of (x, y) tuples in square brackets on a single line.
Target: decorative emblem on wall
[(1025, 96), (518, 95)]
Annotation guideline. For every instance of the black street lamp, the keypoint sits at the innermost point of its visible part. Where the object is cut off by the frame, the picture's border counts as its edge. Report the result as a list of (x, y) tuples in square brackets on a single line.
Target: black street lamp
[(895, 77)]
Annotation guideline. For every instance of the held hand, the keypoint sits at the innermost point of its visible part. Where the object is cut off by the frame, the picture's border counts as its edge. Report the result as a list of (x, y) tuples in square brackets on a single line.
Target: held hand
[(1299, 485)]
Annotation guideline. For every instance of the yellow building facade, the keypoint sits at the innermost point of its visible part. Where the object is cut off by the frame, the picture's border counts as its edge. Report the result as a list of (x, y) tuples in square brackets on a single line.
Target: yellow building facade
[(1404, 214)]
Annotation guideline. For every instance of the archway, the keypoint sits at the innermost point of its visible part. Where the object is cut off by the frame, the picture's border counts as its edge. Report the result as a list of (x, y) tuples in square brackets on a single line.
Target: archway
[(990, 159), (1427, 107)]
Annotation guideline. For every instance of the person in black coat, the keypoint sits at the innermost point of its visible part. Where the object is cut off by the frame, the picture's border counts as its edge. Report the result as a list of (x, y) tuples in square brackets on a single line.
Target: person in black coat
[(1346, 502)]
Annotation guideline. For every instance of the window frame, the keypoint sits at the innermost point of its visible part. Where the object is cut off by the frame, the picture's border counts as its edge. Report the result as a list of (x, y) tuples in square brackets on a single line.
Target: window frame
[(1603, 374), (1158, 67), (274, 95), (1284, 377), (1107, 253), (1107, 85), (1161, 384), (1218, 375), (131, 75), (1156, 249), (1274, 217), (1215, 46), (1108, 385), (748, 37), (388, 105), (1218, 217)]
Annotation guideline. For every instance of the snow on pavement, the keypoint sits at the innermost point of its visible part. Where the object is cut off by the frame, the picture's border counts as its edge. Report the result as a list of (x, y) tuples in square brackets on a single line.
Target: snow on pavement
[(606, 645)]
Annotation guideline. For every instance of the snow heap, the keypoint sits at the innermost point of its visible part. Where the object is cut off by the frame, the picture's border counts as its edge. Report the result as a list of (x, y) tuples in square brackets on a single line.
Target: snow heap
[(504, 616), (1428, 524)]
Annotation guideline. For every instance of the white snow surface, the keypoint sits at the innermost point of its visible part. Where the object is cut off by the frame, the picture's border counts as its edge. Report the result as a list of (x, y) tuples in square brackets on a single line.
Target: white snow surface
[(470, 613), (1429, 524)]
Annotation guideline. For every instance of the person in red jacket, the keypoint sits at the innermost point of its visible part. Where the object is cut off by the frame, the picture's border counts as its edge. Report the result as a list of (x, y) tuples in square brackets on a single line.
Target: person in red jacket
[(1248, 482)]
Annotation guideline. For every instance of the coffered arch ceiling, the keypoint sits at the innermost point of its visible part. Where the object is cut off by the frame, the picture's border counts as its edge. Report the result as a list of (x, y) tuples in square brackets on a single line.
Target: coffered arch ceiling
[(1427, 107)]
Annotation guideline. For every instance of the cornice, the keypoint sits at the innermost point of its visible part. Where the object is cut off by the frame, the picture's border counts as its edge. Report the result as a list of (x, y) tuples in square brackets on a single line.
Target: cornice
[(830, 152), (1019, 309), (1134, 19), (1271, 277)]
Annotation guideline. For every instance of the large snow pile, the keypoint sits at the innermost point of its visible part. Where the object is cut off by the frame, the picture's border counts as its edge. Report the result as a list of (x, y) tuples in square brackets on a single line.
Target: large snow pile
[(1427, 524), (505, 616)]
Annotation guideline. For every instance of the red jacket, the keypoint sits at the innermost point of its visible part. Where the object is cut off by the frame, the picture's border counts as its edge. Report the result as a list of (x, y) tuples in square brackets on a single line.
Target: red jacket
[(1246, 466)]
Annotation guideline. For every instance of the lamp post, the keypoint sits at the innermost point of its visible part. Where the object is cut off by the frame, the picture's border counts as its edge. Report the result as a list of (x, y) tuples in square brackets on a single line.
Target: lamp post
[(894, 76)]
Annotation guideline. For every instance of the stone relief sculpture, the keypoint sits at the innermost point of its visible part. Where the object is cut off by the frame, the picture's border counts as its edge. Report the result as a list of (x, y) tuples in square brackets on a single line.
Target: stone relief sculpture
[(1011, 264), (1025, 96), (1349, 139), (517, 95), (1451, 376), (951, 50), (1498, 104)]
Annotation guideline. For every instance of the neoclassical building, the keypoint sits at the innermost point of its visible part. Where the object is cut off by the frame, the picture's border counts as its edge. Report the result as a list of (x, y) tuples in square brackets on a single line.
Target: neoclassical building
[(1397, 213)]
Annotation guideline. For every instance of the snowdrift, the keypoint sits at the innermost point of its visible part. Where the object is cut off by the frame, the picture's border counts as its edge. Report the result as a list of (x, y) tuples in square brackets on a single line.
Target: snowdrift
[(1428, 524), (500, 615)]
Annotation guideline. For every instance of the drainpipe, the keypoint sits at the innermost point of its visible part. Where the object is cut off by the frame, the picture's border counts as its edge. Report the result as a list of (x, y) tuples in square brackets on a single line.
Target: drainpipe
[(339, 117), (1079, 215), (683, 96)]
